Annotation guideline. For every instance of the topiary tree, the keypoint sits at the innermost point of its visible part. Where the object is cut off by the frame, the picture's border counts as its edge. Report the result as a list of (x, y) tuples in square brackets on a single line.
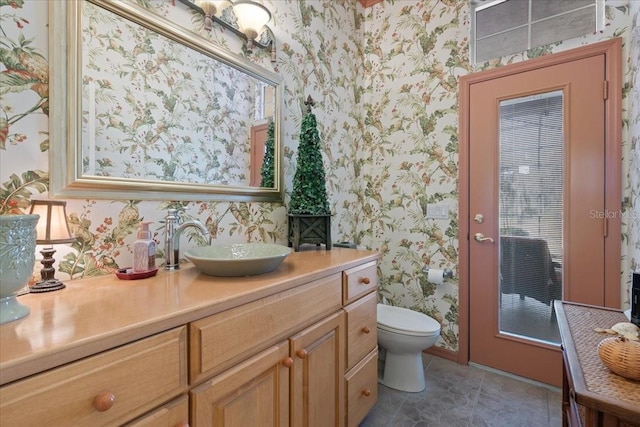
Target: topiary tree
[(266, 170), (309, 195)]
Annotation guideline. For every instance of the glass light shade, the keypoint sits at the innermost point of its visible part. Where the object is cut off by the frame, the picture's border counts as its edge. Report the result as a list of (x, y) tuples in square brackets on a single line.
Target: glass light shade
[(52, 227), (210, 7), (251, 17)]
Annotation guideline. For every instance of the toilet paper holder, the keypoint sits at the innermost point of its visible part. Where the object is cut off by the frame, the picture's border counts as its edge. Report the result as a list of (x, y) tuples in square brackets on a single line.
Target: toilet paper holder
[(447, 273)]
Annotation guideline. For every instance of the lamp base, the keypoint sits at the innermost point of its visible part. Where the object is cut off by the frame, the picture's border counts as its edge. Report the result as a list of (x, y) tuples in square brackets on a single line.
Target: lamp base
[(47, 274), (47, 286)]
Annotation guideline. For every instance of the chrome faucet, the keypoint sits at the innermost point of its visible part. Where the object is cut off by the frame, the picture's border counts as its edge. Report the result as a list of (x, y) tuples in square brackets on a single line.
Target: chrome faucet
[(173, 228)]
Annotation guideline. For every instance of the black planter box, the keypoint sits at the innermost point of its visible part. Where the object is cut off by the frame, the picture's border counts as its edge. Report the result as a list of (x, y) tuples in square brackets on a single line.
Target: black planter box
[(312, 229)]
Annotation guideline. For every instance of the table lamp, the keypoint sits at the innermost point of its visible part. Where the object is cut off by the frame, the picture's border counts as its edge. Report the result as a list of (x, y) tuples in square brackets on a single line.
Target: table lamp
[(52, 229)]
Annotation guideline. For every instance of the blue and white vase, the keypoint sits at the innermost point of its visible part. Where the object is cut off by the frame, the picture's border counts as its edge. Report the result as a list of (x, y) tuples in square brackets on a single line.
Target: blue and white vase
[(17, 258)]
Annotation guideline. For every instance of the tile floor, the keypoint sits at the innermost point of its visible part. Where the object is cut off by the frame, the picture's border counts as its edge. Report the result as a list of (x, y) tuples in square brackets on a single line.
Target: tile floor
[(459, 395)]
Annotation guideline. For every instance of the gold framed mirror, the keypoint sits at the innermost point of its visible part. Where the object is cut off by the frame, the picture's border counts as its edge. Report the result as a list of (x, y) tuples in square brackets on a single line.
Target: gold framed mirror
[(142, 108)]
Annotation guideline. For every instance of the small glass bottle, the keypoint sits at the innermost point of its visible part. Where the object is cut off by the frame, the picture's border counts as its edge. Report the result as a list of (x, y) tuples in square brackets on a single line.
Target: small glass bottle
[(144, 250)]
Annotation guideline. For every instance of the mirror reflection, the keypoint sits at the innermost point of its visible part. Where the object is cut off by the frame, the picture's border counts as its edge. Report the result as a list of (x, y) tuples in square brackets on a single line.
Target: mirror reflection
[(162, 109)]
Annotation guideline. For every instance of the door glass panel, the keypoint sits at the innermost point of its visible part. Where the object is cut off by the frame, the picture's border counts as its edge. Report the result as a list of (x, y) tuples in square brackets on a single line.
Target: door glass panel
[(530, 215)]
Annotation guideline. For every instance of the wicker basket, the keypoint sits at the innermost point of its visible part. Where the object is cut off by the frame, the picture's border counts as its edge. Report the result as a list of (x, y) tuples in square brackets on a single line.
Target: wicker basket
[(621, 356)]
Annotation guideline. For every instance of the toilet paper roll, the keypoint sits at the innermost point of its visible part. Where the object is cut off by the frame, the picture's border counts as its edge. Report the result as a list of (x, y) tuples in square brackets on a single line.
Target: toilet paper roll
[(435, 276)]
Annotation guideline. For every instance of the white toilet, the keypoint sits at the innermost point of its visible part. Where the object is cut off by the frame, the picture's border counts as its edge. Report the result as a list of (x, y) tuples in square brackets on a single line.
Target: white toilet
[(404, 333)]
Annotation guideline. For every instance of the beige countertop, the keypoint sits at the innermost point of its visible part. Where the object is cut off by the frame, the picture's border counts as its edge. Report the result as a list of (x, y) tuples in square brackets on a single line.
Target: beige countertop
[(96, 314)]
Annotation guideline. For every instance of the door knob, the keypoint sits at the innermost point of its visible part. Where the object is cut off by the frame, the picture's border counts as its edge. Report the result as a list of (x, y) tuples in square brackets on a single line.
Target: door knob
[(479, 237)]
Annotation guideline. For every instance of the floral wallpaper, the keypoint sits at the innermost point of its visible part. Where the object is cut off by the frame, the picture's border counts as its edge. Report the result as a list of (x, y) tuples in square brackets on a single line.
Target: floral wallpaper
[(159, 110), (414, 53), (385, 82)]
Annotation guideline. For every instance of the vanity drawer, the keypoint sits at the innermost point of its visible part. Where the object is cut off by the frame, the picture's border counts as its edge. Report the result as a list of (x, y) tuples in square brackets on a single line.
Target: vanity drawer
[(173, 414), (359, 281), (220, 341), (362, 388), (361, 328), (136, 377)]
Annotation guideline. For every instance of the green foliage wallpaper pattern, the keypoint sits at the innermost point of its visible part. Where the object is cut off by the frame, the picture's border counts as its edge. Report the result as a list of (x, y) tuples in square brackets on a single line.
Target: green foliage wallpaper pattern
[(162, 111), (385, 79)]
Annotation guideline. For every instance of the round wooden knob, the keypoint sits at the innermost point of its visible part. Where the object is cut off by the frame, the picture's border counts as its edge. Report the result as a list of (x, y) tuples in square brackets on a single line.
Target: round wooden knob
[(104, 401), (366, 330), (302, 353), (366, 392), (182, 424), (288, 362), (365, 280)]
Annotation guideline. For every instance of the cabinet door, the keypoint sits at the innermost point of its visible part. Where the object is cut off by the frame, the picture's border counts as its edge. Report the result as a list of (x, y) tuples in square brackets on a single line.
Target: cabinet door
[(253, 394), (317, 387), (172, 414)]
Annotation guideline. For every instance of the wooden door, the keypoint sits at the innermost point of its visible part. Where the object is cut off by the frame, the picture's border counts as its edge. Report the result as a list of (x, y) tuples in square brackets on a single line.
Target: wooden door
[(259, 134), (253, 394), (317, 386), (536, 228)]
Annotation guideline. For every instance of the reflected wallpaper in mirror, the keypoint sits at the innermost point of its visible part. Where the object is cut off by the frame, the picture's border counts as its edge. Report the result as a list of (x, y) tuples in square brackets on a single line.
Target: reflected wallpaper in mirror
[(142, 106), (199, 131)]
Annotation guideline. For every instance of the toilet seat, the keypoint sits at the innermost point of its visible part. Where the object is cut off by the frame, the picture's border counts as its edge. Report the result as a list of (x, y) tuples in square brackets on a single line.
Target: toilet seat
[(403, 321)]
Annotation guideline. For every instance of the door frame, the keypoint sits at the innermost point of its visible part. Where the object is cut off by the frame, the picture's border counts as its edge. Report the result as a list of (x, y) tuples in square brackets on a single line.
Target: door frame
[(612, 49)]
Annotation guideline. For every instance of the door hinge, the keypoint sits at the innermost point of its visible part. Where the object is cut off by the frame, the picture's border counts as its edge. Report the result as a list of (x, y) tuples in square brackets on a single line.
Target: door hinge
[(605, 89)]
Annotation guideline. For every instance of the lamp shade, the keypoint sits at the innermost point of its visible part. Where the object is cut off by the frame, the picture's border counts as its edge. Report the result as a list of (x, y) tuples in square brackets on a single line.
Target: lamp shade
[(52, 227), (210, 7), (251, 17)]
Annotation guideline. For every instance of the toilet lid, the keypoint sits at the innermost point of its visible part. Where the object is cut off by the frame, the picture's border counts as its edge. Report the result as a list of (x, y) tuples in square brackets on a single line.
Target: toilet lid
[(404, 321)]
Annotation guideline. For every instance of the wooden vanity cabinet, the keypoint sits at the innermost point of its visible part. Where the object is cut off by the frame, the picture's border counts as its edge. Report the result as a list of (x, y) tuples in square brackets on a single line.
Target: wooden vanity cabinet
[(110, 388), (256, 389), (172, 414), (329, 326), (297, 382), (362, 388), (362, 328), (359, 281), (361, 377), (302, 354), (223, 340), (317, 388)]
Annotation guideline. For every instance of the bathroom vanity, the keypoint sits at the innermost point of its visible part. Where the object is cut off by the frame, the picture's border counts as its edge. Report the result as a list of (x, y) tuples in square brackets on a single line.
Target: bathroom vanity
[(293, 347)]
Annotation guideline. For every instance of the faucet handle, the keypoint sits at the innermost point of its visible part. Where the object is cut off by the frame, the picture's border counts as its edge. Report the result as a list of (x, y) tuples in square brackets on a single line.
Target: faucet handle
[(172, 215)]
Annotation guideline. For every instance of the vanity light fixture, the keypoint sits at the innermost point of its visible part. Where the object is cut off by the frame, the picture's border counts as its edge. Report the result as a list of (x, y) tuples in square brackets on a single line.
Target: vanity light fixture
[(252, 17), (52, 229), (210, 9), (250, 20)]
